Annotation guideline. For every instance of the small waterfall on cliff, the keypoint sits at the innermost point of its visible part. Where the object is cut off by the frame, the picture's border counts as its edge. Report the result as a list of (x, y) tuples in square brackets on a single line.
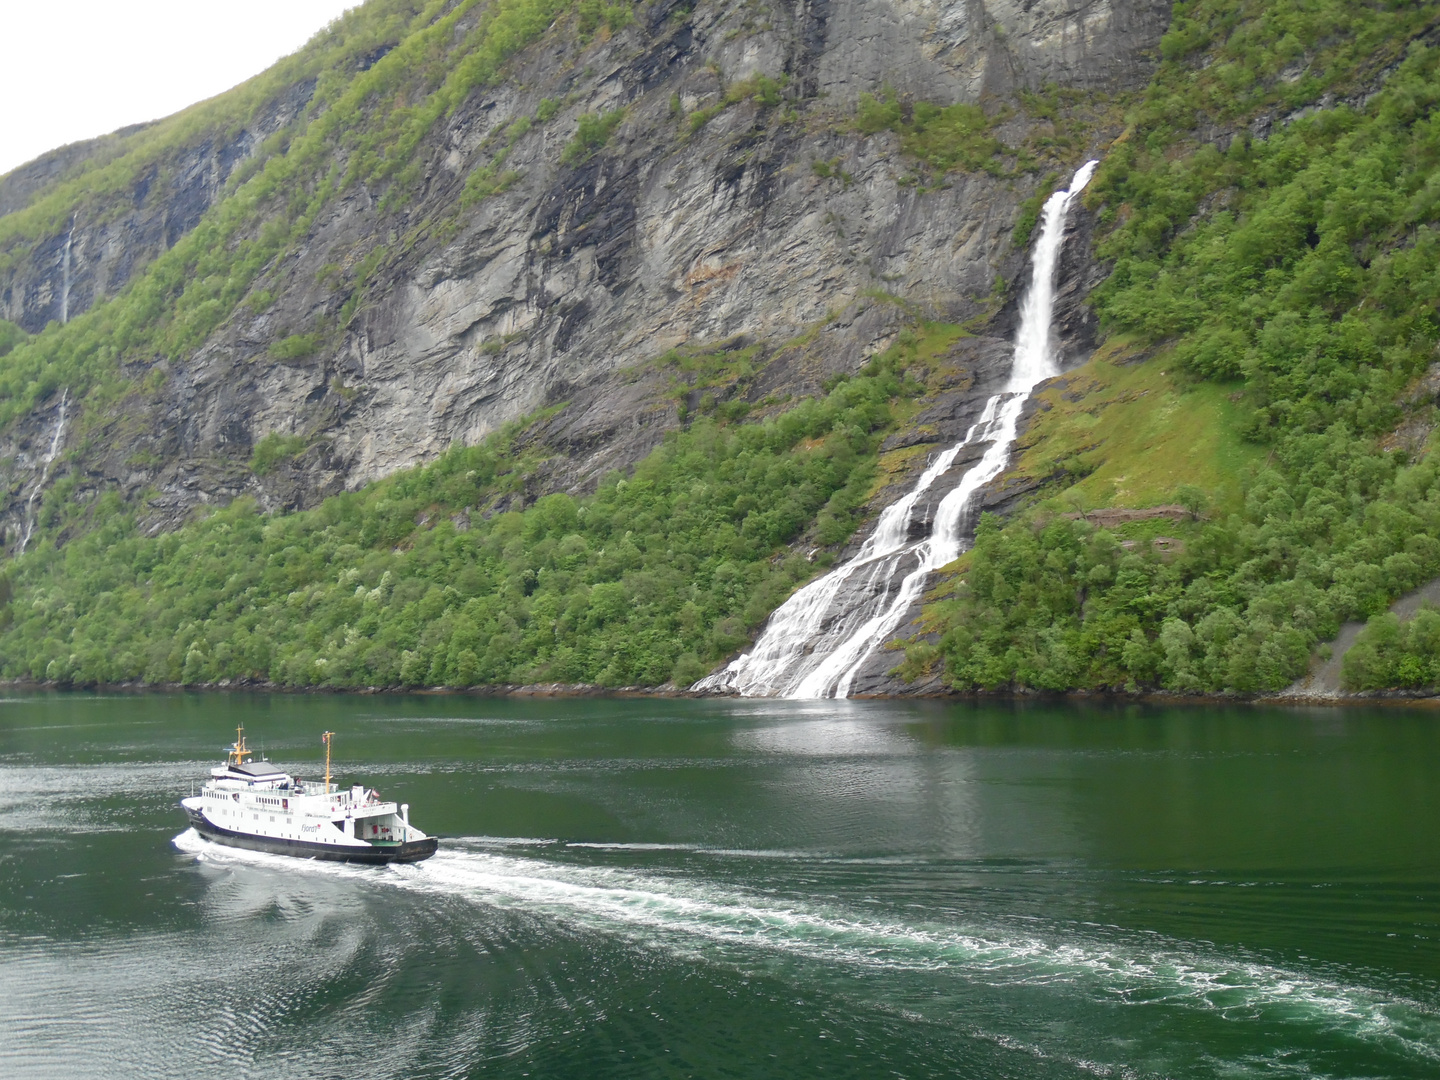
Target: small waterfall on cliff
[(65, 275), (56, 441), (816, 642)]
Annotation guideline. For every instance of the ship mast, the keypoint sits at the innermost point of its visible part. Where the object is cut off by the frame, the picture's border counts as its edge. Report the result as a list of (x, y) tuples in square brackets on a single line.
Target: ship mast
[(325, 738), (238, 753)]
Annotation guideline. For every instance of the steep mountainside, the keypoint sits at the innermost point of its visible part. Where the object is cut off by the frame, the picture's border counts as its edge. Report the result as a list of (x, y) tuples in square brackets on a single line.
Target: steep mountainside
[(439, 279), (674, 297)]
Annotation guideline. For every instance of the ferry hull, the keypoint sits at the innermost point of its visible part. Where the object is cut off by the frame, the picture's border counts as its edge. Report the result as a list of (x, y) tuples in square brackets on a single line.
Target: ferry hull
[(414, 851)]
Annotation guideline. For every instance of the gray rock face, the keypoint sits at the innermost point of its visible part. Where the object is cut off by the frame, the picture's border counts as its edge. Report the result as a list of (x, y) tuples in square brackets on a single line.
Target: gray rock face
[(564, 286), (963, 51)]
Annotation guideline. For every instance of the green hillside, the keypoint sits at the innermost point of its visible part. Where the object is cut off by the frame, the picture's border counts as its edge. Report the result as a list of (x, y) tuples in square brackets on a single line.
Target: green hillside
[(1283, 290)]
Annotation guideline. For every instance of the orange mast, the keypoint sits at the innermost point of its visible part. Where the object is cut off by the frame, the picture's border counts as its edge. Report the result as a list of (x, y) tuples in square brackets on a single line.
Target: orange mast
[(325, 738), (237, 753)]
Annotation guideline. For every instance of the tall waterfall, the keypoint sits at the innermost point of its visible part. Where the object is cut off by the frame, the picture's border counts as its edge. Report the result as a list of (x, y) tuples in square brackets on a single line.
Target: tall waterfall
[(817, 641), (65, 275), (56, 442)]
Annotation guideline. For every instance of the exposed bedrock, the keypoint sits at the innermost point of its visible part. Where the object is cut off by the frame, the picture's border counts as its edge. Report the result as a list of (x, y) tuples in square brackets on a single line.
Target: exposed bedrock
[(563, 287)]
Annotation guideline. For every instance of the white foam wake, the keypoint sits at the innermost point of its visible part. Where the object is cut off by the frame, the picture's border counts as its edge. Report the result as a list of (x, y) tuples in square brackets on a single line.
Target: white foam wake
[(725, 923), (816, 643)]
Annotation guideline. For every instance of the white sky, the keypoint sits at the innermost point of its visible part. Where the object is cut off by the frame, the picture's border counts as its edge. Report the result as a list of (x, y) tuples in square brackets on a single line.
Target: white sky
[(74, 69)]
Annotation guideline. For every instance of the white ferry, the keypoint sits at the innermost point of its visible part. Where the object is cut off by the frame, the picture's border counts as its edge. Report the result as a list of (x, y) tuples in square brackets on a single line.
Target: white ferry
[(256, 805)]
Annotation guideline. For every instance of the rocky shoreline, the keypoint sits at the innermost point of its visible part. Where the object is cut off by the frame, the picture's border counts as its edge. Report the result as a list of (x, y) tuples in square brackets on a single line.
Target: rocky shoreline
[(577, 690)]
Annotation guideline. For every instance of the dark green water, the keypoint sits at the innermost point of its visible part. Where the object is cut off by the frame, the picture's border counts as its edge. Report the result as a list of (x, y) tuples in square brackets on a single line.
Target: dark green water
[(732, 889)]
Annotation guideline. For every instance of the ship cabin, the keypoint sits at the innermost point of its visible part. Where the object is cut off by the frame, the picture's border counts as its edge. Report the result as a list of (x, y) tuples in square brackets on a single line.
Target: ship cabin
[(260, 798)]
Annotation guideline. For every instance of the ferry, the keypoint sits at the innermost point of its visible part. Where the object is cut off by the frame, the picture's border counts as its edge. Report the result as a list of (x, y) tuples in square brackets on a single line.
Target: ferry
[(259, 806)]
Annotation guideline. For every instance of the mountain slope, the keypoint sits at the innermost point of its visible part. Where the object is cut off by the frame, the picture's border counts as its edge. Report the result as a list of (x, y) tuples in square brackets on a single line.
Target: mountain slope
[(520, 197), (696, 290), (603, 223)]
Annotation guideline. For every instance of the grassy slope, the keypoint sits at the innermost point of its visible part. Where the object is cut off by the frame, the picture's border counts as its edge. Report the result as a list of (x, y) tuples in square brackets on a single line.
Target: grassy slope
[(1129, 430)]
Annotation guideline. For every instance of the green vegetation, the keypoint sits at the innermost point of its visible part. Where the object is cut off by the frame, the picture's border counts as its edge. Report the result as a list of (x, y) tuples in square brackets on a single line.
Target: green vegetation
[(1390, 654), (1061, 126), (594, 14), (360, 277), (1030, 210), (275, 448), (1297, 277), (831, 169), (428, 578), (955, 137), (1122, 433), (761, 89), (10, 336), (591, 134), (494, 178), (295, 347), (1064, 604)]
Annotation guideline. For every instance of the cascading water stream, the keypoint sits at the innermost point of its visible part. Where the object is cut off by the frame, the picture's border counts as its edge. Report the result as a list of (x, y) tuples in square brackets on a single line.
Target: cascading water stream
[(817, 641), (65, 275), (56, 441)]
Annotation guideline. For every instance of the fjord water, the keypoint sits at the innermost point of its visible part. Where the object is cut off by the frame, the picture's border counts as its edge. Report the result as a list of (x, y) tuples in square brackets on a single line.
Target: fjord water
[(638, 888)]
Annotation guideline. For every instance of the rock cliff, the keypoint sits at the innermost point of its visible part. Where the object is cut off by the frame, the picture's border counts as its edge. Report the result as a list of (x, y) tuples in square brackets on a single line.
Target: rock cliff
[(399, 326)]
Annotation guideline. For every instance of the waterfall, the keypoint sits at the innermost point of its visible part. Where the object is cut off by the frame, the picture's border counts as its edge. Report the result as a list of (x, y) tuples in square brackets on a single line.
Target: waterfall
[(817, 641), (56, 441), (65, 275)]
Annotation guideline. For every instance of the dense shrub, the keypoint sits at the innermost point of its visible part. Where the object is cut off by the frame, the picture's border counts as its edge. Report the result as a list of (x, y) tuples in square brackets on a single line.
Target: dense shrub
[(592, 133), (295, 347), (273, 449), (1394, 655)]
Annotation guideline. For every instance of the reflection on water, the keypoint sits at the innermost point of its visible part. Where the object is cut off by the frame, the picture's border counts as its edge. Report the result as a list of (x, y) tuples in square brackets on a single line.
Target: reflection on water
[(845, 780), (722, 889)]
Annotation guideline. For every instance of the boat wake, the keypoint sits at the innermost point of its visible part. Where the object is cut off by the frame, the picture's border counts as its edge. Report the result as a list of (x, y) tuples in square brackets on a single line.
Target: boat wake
[(745, 929)]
